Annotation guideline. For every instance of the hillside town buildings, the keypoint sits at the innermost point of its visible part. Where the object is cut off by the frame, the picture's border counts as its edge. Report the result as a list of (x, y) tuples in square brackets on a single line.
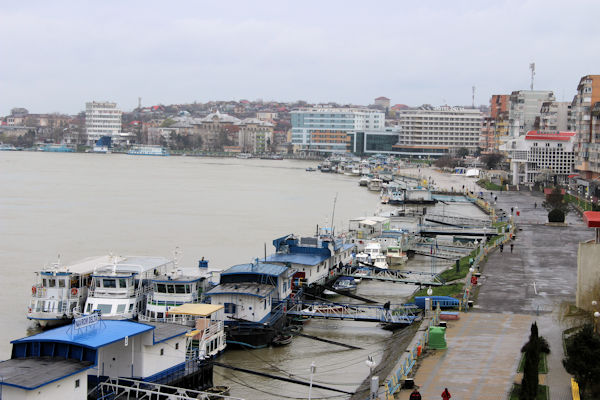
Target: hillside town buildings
[(554, 116)]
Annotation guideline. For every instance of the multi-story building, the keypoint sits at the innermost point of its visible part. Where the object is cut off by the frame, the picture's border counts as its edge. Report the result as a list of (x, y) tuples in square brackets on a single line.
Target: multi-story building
[(320, 129), (498, 104), (101, 119), (525, 106), (433, 132), (373, 142), (487, 140), (588, 146), (255, 136), (554, 116), (541, 157)]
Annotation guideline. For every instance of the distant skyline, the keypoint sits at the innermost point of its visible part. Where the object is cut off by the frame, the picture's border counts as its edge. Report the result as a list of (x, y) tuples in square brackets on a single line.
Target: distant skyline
[(58, 55)]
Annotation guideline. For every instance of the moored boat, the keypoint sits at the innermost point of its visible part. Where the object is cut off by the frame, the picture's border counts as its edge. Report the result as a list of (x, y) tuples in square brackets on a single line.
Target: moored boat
[(372, 255), (120, 290), (148, 150), (395, 256), (62, 289), (345, 284)]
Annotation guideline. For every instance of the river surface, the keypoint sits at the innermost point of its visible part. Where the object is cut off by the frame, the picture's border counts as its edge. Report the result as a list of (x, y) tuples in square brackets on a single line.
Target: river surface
[(226, 210)]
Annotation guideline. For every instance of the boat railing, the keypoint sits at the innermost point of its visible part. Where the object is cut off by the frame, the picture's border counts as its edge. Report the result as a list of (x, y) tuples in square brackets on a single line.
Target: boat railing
[(169, 319), (58, 306), (113, 292)]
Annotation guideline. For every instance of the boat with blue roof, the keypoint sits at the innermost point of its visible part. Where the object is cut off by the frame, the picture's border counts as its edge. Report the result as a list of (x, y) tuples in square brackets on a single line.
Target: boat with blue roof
[(73, 361), (314, 258), (148, 150), (253, 299)]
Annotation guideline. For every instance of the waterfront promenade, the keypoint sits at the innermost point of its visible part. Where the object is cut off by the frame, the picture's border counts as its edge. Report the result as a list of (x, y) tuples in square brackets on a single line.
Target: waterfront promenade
[(484, 346)]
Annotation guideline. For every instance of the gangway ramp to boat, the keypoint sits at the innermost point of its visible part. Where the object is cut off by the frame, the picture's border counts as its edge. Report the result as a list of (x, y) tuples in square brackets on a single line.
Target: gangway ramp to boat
[(452, 220), (116, 388), (429, 230), (401, 314), (438, 253), (394, 275)]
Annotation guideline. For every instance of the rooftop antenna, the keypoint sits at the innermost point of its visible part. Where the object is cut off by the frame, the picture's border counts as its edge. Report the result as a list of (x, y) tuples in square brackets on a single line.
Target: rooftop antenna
[(473, 97), (532, 68)]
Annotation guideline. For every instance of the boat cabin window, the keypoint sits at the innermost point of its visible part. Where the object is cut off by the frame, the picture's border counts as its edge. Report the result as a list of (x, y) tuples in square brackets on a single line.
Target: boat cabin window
[(109, 283), (170, 289), (159, 315), (61, 283), (44, 283), (180, 289), (161, 288), (104, 308), (89, 308), (121, 308), (51, 282), (122, 283), (131, 307)]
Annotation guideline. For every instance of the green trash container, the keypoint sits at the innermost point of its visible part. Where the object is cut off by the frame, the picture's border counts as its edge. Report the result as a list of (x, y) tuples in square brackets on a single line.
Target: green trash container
[(437, 337)]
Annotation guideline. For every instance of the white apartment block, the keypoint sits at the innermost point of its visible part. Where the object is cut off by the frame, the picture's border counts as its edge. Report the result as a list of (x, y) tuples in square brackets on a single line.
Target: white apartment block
[(323, 129), (435, 131), (525, 106), (101, 119), (539, 157), (554, 116)]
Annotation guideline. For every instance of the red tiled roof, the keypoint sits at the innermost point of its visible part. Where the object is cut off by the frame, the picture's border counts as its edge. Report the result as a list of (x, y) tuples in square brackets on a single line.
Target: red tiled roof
[(572, 175), (592, 219), (562, 136)]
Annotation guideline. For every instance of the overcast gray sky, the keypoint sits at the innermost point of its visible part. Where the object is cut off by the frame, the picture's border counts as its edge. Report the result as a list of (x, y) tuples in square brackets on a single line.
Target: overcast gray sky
[(57, 55)]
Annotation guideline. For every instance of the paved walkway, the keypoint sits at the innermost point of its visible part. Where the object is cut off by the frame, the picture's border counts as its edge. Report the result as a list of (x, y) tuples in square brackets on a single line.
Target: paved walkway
[(516, 289), (481, 360)]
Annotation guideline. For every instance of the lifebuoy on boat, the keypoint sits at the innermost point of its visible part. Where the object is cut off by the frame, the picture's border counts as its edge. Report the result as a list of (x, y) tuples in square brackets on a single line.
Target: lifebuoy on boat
[(33, 290), (74, 292)]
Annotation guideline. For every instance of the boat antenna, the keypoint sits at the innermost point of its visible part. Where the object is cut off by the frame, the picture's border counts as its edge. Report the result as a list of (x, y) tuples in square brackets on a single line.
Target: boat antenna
[(265, 251), (333, 214)]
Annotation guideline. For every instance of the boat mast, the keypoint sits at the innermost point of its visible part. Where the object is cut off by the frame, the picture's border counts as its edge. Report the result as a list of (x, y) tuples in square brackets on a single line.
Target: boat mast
[(333, 214)]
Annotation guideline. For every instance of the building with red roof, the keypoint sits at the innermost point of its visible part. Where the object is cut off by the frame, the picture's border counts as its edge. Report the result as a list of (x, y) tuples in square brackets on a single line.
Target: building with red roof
[(541, 157)]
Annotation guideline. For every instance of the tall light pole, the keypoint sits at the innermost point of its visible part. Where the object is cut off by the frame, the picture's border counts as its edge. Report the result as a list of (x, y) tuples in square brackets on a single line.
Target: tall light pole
[(313, 369)]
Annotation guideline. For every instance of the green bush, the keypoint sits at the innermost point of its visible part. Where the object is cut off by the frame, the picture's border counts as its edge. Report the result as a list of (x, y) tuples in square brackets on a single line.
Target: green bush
[(556, 215)]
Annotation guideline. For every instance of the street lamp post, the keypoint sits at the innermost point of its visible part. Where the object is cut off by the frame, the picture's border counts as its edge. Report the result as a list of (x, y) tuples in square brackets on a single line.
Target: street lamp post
[(596, 315), (313, 369)]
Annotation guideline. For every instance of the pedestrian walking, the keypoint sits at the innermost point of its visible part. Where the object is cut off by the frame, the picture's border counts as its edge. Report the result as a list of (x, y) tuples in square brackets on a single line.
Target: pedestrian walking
[(415, 395), (386, 309), (535, 205), (511, 247), (446, 394), (512, 210), (501, 247)]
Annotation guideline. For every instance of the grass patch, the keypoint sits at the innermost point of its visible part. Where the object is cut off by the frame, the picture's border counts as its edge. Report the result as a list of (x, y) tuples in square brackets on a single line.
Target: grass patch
[(542, 394), (542, 366), (445, 290), (489, 185), (464, 265)]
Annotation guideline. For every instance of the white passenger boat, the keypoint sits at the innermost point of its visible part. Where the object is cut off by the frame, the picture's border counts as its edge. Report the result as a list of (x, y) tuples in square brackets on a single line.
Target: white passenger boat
[(395, 256), (373, 255), (375, 184), (179, 286), (363, 181), (120, 290), (148, 150), (61, 290)]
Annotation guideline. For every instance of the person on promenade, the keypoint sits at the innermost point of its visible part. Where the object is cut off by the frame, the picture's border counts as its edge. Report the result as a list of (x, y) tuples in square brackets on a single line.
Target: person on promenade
[(415, 395), (511, 247), (501, 247), (446, 394)]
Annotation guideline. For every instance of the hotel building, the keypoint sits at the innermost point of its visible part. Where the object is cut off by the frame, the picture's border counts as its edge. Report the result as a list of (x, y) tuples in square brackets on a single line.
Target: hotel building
[(434, 132), (101, 119)]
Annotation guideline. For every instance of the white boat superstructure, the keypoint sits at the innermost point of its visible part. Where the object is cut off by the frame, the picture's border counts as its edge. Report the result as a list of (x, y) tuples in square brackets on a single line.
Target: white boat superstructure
[(60, 291), (120, 290), (178, 287), (373, 255), (375, 184)]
